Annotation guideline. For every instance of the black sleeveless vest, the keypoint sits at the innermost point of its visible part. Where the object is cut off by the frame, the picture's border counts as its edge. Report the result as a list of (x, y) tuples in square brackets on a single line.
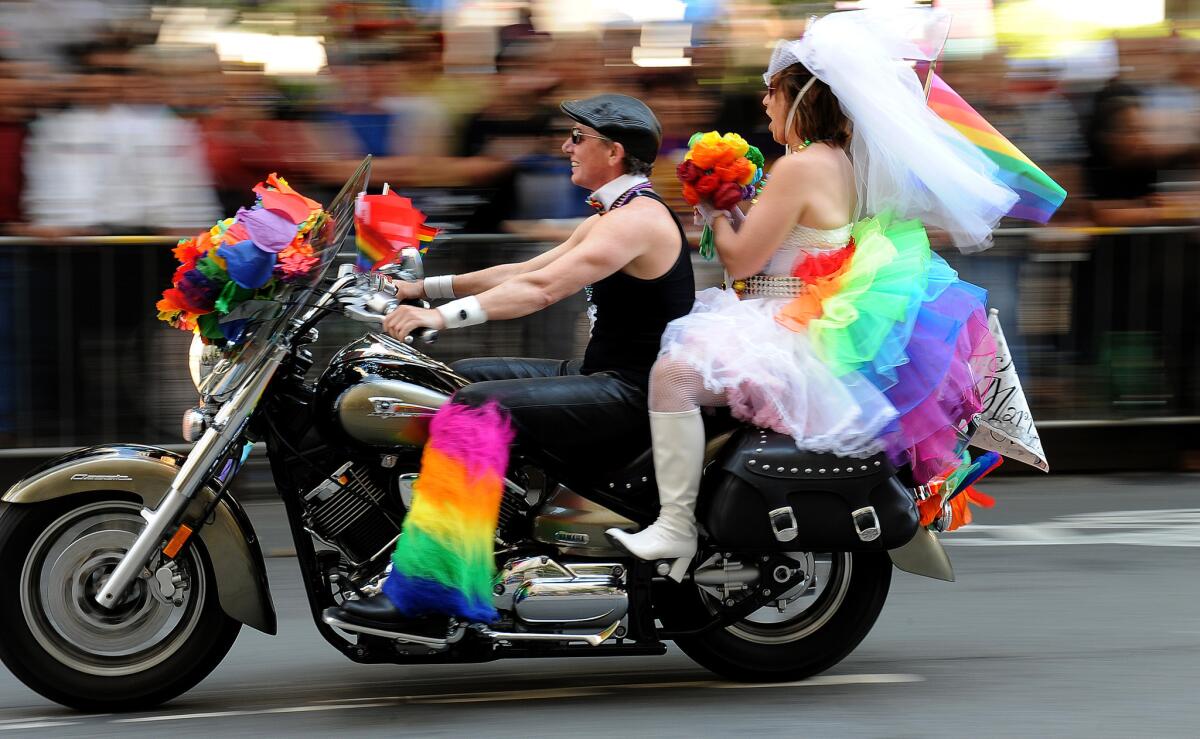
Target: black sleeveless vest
[(631, 314)]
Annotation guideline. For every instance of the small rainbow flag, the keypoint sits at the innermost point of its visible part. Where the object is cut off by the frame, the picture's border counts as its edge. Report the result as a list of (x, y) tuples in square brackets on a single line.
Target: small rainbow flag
[(385, 224), (1038, 195), (444, 561)]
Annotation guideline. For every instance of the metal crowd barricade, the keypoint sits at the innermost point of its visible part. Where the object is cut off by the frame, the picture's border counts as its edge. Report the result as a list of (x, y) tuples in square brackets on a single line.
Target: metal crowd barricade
[(1102, 323)]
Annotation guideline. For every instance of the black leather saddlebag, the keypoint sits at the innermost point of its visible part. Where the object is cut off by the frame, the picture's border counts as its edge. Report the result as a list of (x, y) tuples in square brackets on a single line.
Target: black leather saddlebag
[(767, 495)]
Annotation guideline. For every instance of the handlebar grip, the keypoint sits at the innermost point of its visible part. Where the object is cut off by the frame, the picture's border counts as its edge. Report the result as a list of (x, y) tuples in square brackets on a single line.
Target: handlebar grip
[(423, 335)]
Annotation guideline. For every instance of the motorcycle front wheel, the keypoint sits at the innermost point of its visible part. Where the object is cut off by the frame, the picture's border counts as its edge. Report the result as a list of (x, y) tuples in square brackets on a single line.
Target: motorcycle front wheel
[(167, 634), (810, 629)]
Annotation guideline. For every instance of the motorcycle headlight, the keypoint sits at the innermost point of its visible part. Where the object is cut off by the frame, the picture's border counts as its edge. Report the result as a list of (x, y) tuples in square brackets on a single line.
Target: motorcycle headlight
[(201, 360)]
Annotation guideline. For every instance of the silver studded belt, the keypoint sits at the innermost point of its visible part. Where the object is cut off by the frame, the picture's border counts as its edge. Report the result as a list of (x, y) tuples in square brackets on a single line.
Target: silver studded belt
[(769, 286)]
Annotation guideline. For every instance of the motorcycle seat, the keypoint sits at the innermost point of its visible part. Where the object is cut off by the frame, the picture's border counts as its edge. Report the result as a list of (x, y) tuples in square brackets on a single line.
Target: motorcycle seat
[(638, 475)]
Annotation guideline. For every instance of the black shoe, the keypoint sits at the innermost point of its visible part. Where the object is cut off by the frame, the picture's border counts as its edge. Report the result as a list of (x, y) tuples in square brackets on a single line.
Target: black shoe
[(378, 615)]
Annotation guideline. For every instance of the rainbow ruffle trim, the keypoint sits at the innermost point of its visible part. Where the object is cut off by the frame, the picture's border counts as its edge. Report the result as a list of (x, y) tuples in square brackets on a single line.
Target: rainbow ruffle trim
[(443, 562), (891, 310)]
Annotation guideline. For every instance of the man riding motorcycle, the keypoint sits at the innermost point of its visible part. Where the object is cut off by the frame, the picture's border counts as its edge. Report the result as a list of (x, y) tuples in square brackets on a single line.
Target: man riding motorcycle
[(633, 260)]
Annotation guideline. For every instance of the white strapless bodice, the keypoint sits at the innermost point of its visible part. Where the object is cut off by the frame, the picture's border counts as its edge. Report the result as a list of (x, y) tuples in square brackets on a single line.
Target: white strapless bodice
[(805, 240)]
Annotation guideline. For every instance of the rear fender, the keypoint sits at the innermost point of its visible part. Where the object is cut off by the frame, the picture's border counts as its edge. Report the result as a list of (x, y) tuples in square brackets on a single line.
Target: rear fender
[(147, 473), (924, 555)]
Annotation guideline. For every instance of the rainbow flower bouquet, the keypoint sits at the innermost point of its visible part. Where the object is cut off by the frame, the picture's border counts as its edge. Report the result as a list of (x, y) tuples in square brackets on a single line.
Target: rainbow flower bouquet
[(725, 170), (248, 257)]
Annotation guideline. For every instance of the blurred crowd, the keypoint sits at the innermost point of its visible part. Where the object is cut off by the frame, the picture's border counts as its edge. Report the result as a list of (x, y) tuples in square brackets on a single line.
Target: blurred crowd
[(115, 132), (112, 125)]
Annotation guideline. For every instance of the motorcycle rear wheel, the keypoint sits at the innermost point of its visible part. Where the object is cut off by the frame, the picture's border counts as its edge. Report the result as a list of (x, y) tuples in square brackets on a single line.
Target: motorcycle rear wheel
[(766, 647), (53, 558)]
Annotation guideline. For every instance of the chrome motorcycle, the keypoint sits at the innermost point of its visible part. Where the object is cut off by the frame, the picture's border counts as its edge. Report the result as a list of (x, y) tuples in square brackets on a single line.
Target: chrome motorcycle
[(127, 571)]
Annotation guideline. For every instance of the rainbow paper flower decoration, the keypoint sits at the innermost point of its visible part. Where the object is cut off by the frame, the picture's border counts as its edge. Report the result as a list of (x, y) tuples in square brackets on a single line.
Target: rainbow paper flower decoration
[(722, 169), (246, 257)]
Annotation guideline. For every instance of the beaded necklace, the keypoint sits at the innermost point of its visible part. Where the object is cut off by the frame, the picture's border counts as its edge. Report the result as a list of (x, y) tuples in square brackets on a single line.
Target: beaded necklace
[(622, 199)]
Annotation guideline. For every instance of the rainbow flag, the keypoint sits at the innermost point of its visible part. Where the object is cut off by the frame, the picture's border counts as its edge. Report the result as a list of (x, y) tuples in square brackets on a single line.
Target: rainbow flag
[(1038, 195), (385, 224), (444, 561)]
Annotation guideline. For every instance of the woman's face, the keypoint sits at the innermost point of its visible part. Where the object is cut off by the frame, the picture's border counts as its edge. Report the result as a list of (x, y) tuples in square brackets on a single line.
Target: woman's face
[(776, 105)]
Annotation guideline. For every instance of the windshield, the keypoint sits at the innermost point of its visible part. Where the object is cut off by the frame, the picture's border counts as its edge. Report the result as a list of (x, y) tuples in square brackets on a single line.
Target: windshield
[(267, 318)]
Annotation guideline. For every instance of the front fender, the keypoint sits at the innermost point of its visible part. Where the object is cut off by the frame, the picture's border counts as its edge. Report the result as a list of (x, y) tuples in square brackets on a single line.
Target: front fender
[(147, 472)]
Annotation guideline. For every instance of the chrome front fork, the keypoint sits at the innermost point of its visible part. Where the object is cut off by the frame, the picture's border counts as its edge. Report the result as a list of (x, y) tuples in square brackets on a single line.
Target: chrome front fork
[(211, 447)]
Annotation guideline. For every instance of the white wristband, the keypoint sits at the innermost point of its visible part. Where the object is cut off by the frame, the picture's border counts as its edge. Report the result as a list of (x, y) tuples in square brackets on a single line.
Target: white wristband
[(440, 287), (464, 312)]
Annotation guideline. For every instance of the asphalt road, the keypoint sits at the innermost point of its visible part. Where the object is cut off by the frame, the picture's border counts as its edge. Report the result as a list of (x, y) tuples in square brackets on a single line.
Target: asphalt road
[(1076, 613)]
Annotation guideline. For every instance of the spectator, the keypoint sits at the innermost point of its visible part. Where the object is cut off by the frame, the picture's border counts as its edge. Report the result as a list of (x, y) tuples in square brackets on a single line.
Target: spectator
[(1125, 155), (117, 160), (15, 112), (242, 140)]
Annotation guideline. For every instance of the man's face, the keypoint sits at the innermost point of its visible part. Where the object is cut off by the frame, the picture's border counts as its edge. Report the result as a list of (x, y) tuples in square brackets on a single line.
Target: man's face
[(594, 159)]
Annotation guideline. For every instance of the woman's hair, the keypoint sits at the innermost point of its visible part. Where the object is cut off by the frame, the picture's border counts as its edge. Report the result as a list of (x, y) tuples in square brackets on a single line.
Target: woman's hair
[(819, 116)]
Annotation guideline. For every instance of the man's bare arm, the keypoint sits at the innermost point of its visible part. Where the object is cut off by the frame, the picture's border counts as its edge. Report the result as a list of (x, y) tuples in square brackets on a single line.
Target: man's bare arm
[(607, 247), (474, 283)]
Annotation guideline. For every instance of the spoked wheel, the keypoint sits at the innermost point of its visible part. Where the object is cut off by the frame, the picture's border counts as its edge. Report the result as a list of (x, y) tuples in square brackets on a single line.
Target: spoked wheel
[(166, 635), (807, 630)]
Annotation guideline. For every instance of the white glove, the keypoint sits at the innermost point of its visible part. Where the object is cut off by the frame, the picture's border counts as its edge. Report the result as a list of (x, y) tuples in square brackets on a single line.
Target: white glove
[(705, 214)]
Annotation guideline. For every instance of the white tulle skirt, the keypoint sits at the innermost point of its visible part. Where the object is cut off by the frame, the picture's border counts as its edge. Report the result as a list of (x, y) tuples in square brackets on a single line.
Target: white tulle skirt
[(772, 377)]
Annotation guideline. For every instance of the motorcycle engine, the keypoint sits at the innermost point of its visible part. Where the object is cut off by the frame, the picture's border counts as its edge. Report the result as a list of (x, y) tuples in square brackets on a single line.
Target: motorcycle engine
[(544, 595), (353, 513), (356, 514)]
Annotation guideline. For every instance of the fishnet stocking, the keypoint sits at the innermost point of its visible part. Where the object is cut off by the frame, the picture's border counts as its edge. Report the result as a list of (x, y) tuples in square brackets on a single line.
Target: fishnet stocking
[(675, 386)]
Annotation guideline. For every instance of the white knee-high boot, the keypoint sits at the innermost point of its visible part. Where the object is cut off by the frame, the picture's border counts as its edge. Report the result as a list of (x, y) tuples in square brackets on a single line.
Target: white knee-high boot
[(678, 440)]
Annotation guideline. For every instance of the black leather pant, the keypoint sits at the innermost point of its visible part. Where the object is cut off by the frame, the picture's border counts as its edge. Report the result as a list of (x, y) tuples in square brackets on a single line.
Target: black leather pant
[(560, 415)]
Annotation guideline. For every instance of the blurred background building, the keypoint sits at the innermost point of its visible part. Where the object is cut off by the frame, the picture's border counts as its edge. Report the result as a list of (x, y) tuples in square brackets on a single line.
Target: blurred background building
[(124, 124)]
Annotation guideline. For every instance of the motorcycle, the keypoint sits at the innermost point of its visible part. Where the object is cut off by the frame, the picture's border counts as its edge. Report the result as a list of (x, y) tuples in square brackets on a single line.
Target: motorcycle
[(127, 571)]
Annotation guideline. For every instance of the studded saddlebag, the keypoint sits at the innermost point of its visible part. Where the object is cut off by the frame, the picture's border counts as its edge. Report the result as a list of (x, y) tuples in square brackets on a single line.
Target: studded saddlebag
[(771, 496)]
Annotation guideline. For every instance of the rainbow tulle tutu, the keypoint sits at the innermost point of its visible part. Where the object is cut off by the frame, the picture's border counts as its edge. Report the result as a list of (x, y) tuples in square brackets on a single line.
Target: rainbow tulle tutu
[(885, 350)]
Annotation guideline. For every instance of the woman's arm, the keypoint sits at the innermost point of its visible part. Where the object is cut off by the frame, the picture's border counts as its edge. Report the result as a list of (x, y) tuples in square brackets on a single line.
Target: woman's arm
[(746, 251)]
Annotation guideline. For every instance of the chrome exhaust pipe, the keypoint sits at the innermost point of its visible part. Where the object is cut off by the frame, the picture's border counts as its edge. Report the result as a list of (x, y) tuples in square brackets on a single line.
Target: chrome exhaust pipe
[(593, 640)]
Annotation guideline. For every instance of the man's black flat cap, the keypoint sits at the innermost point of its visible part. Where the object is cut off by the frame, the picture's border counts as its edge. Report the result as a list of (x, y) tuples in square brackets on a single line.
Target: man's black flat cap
[(621, 118)]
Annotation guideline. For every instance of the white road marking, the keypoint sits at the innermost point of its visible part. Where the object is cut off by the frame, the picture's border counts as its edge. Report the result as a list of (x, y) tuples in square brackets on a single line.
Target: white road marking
[(511, 695), (37, 725), (1165, 527), (259, 712), (534, 694), (823, 680)]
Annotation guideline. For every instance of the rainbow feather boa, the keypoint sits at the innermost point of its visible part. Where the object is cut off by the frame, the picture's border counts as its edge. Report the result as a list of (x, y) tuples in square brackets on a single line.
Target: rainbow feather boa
[(443, 563)]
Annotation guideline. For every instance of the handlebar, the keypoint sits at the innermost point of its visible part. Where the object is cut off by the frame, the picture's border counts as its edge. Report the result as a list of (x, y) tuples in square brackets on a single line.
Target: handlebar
[(370, 298)]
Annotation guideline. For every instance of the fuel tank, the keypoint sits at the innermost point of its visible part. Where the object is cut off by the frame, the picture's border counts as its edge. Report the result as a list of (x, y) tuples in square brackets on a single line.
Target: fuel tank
[(380, 393)]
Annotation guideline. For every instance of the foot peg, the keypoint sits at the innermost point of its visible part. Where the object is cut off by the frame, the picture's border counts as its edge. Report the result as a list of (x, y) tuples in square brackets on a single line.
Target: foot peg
[(674, 569)]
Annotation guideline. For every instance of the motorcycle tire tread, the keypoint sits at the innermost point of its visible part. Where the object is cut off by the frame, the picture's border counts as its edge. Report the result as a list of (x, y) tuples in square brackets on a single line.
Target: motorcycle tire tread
[(733, 658), (214, 635)]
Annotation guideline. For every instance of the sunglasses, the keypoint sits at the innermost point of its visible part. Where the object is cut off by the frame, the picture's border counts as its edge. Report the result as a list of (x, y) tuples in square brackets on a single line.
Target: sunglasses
[(577, 136), (770, 91)]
